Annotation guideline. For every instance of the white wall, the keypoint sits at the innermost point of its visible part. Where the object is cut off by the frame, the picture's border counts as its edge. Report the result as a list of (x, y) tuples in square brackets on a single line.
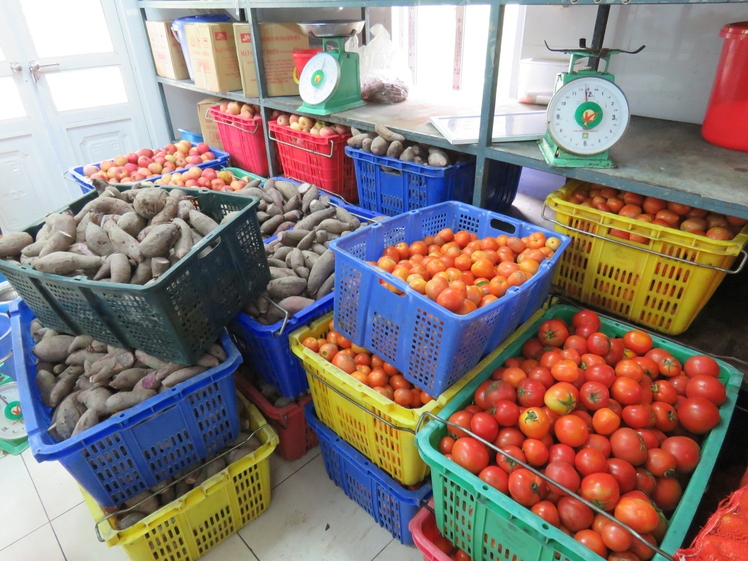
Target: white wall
[(670, 79)]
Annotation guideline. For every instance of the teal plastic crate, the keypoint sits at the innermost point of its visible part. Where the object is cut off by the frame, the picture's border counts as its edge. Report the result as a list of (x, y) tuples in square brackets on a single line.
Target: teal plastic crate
[(490, 526)]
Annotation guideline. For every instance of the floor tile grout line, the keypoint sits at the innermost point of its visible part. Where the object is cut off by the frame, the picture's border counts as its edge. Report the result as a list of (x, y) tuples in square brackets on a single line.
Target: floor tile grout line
[(381, 550), (58, 542), (68, 510), (249, 548), (23, 536), (31, 477), (290, 475)]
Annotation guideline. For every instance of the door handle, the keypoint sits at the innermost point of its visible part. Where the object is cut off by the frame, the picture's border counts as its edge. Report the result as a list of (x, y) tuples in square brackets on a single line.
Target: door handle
[(35, 67), (16, 67)]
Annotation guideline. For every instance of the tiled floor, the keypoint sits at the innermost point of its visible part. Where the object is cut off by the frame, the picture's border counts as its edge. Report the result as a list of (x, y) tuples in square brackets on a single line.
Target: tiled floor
[(43, 518)]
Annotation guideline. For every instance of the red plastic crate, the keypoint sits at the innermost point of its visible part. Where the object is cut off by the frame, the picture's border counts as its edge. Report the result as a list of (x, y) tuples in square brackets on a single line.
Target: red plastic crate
[(423, 528), (294, 433), (243, 139), (316, 159)]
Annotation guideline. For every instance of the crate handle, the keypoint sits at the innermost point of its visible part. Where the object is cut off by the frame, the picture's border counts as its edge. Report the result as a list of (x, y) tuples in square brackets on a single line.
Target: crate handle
[(209, 117), (292, 145), (285, 316), (209, 248), (377, 417), (545, 478), (743, 254), (391, 171), (498, 224), (196, 469), (6, 357)]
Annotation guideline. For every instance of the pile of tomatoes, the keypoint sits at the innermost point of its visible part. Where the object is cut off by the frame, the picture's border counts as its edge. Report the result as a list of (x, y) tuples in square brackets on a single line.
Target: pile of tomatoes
[(614, 420), (462, 273), (656, 211), (367, 368)]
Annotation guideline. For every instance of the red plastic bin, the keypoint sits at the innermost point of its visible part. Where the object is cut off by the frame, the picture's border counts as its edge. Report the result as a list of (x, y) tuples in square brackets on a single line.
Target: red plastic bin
[(295, 435), (319, 160), (243, 139), (424, 531)]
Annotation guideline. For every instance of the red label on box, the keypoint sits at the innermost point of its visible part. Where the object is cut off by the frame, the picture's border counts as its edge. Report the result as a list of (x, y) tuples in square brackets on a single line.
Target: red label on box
[(220, 36), (246, 37)]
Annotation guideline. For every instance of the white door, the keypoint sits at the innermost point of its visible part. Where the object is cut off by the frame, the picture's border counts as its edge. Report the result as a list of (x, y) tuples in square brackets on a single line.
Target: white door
[(76, 73)]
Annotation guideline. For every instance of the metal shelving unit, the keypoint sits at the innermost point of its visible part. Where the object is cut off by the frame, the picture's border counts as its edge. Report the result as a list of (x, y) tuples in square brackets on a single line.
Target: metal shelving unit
[(655, 157)]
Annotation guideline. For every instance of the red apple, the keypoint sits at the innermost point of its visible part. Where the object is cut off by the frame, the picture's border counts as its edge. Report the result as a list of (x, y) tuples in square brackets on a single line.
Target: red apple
[(155, 168), (99, 175), (203, 182), (110, 173), (180, 162), (144, 171), (106, 165), (208, 156), (132, 157), (144, 161), (170, 148), (236, 185), (191, 183), (202, 148), (193, 152), (160, 160), (120, 161), (194, 160), (170, 158), (89, 171), (147, 152), (217, 184), (210, 174)]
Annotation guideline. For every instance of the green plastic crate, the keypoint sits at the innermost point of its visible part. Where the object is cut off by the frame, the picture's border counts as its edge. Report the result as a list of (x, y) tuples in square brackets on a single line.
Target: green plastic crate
[(178, 316), (489, 525), (239, 173)]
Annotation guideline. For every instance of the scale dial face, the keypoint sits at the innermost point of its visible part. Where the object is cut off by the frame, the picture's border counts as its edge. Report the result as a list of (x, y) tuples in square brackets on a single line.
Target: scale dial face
[(319, 79), (587, 116), (12, 426)]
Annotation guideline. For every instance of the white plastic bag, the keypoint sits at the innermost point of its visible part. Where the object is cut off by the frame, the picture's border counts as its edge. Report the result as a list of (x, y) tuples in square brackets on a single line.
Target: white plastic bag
[(385, 75)]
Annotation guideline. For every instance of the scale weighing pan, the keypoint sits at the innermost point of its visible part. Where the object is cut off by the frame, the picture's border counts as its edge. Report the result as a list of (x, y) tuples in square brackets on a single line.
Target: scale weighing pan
[(332, 28)]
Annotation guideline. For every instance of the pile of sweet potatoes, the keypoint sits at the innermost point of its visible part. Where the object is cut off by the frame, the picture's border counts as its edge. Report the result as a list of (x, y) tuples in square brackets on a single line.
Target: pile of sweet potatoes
[(384, 142), (86, 381)]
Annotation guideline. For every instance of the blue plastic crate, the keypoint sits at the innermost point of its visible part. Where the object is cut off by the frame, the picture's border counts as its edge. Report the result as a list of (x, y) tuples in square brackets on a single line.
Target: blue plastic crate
[(266, 347), (135, 449), (432, 346), (76, 173), (193, 137), (392, 187), (389, 503)]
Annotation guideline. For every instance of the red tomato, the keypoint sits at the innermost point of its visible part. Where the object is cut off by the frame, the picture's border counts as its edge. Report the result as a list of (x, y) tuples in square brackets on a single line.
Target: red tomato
[(598, 343), (649, 437), (649, 367), (534, 422), (666, 419), (498, 390), (565, 370), (708, 387), (496, 478), (561, 398), (638, 341), (667, 493), (616, 352), (571, 354), (630, 369), (605, 421), (698, 415), (670, 366), (642, 551), (594, 395), (598, 442), (530, 393), (626, 391), (576, 343), (461, 418), (470, 454), (664, 390), (615, 537), (638, 416), (571, 430), (638, 514), (628, 445), (645, 481), (680, 383), (548, 512), (526, 488), (592, 541), (586, 330), (561, 453), (589, 461), (602, 373), (532, 348), (564, 474), (479, 396), (588, 360), (553, 333), (623, 472), (660, 462), (443, 544), (506, 413), (600, 489), (686, 452), (624, 556), (701, 364), (535, 451), (446, 444), (509, 436), (484, 426), (586, 317), (574, 515), (542, 375)]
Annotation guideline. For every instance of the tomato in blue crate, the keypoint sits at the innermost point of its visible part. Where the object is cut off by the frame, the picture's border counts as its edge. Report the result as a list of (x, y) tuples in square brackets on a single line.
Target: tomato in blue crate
[(617, 421)]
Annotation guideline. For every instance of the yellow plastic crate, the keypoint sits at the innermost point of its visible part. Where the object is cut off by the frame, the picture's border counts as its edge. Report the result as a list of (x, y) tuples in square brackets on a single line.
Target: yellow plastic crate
[(188, 527), (363, 424), (662, 284)]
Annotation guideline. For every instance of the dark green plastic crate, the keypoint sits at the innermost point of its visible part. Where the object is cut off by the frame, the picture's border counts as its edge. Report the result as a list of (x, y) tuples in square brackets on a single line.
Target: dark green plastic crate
[(491, 526), (179, 315)]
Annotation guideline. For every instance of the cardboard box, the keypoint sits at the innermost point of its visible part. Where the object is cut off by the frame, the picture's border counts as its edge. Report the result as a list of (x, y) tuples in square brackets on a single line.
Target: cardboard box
[(213, 55), (278, 42), (208, 126), (167, 52)]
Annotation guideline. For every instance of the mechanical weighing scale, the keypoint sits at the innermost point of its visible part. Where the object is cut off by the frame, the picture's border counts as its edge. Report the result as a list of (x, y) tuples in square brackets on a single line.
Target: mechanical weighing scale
[(330, 81), (587, 114), (13, 437)]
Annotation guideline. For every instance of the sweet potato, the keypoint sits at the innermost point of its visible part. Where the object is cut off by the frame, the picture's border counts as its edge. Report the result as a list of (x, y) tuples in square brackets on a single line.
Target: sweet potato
[(122, 242), (159, 240), (127, 379), (438, 157), (315, 218), (274, 194), (86, 421), (148, 360), (230, 216), (66, 416), (292, 204), (81, 249), (202, 223), (80, 342), (284, 226), (289, 286), (379, 146), (12, 243), (64, 385), (326, 287), (387, 134), (168, 213), (142, 274), (332, 226), (271, 224), (120, 270), (148, 382), (105, 205), (183, 245), (53, 348), (287, 189), (357, 140), (217, 351), (322, 269), (62, 263), (150, 201), (132, 223), (295, 259), (80, 357), (310, 195), (105, 269), (182, 375), (111, 364), (183, 208), (33, 249), (395, 149), (95, 399), (45, 382), (167, 370), (129, 520), (407, 155), (207, 360), (159, 265), (124, 400), (294, 304), (97, 240)]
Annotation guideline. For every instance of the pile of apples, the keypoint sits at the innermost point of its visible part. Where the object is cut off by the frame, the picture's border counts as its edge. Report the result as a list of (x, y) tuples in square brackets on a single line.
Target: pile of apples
[(208, 178), (307, 124), (244, 110), (146, 163)]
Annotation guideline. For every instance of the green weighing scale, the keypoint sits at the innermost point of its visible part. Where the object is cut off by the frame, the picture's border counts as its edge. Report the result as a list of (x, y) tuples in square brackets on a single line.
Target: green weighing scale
[(587, 114), (13, 437), (330, 81)]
